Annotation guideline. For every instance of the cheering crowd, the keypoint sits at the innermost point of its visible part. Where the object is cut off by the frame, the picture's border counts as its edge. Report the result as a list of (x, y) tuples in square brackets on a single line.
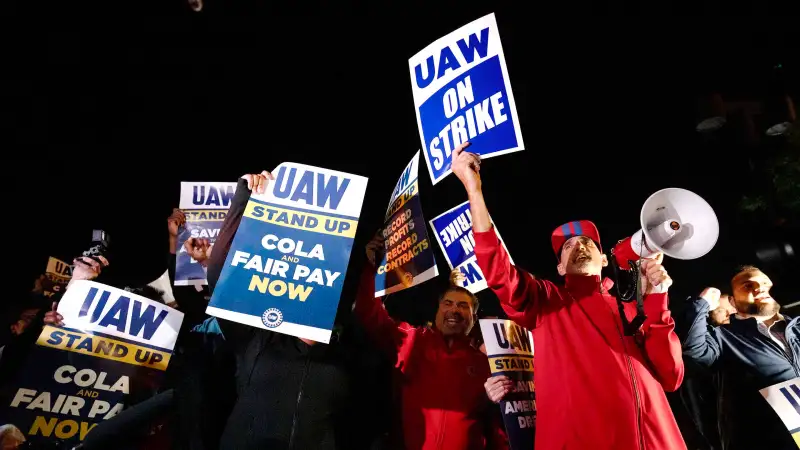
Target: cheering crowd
[(386, 384)]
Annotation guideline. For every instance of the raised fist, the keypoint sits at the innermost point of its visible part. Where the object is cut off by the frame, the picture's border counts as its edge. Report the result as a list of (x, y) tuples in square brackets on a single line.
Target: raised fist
[(467, 167)]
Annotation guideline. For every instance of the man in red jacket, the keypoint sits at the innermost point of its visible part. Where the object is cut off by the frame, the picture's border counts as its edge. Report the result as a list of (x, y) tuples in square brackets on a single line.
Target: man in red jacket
[(595, 387), (440, 374)]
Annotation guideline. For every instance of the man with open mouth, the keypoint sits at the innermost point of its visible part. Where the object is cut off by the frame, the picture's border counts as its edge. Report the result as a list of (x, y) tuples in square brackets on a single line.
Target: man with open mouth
[(596, 387)]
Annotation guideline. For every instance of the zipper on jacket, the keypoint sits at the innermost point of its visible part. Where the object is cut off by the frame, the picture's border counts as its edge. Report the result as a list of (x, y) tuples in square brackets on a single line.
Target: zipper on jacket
[(637, 400), (299, 397)]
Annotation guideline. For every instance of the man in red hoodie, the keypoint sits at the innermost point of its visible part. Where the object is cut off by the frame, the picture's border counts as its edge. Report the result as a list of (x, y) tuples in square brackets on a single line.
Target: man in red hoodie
[(440, 374), (595, 387)]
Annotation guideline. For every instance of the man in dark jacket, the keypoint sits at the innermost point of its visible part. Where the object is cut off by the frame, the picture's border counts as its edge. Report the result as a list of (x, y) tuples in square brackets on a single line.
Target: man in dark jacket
[(290, 393), (757, 349)]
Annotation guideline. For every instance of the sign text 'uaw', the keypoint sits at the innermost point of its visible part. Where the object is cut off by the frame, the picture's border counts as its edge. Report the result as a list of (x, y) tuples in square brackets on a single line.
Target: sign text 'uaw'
[(285, 268), (510, 351), (462, 93), (784, 398), (206, 206)]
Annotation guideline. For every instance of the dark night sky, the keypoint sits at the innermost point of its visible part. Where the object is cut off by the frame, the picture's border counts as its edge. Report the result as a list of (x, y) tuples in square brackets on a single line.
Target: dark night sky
[(110, 115)]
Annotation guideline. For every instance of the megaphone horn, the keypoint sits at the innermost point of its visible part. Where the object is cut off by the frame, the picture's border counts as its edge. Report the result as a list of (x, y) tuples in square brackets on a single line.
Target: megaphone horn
[(674, 221)]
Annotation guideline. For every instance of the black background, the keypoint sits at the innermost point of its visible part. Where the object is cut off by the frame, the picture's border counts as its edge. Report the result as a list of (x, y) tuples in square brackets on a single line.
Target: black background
[(107, 107)]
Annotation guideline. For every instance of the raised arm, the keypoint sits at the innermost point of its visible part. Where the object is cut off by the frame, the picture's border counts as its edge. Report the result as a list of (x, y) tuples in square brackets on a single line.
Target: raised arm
[(219, 253), (700, 343), (392, 337), (661, 345), (521, 294)]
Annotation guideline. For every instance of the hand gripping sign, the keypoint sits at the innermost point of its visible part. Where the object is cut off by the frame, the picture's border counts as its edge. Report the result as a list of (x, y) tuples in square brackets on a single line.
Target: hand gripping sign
[(784, 398), (285, 268), (408, 256), (113, 344), (453, 230), (462, 93), (206, 206), (510, 351)]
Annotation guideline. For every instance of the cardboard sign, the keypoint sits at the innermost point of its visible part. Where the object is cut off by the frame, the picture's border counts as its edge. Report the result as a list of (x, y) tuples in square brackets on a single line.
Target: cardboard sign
[(453, 230), (57, 276), (784, 398), (113, 344), (206, 206), (510, 351), (408, 256), (285, 269), (462, 93)]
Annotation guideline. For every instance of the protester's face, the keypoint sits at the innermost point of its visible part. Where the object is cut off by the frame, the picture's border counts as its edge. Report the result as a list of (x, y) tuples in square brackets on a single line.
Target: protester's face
[(722, 315), (455, 315), (751, 294), (580, 256)]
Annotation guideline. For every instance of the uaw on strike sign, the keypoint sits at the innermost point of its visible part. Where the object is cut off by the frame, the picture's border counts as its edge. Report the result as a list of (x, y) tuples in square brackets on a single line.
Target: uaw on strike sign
[(453, 230), (408, 255), (114, 345), (462, 93), (285, 269), (784, 398), (510, 351)]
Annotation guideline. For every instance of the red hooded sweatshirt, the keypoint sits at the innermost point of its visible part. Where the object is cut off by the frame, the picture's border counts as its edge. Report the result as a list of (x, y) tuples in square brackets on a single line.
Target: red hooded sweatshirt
[(444, 404), (595, 388)]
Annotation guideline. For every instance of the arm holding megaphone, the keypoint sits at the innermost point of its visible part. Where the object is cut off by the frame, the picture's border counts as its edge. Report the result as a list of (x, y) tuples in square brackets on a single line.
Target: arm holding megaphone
[(521, 294)]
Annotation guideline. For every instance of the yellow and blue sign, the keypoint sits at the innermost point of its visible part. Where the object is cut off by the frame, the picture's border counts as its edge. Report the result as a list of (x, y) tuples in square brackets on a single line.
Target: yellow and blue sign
[(206, 206), (784, 398), (408, 258), (285, 269), (510, 351), (462, 93), (453, 231), (113, 344)]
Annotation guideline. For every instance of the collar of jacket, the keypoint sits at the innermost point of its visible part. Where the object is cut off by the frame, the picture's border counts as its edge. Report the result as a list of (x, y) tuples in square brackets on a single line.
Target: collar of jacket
[(583, 285), (750, 324)]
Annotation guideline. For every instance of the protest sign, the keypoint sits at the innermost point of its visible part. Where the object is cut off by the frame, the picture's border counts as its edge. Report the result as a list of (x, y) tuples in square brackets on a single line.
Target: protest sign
[(453, 230), (510, 351), (462, 93), (408, 257), (206, 206), (784, 398), (57, 276), (285, 269), (114, 347)]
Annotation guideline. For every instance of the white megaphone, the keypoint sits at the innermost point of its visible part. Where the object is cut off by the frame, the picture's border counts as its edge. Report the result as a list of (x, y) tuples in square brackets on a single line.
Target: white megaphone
[(674, 221)]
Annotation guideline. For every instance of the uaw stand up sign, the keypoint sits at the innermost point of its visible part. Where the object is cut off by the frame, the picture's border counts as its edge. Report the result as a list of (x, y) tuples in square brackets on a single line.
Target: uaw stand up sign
[(114, 346), (510, 351), (205, 205), (285, 269), (462, 93)]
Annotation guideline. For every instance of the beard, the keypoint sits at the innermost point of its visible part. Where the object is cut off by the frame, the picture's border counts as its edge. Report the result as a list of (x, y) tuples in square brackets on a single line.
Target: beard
[(768, 309)]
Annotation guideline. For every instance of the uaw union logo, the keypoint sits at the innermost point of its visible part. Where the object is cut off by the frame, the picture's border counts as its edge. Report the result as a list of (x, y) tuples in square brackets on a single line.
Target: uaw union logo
[(272, 318)]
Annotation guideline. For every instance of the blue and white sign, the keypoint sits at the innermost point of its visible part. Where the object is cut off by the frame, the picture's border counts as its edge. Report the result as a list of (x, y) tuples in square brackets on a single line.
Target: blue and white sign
[(286, 266), (510, 351), (206, 206), (408, 254), (462, 93), (453, 230), (113, 344)]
